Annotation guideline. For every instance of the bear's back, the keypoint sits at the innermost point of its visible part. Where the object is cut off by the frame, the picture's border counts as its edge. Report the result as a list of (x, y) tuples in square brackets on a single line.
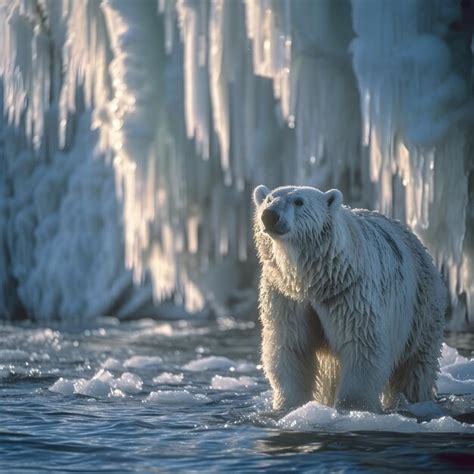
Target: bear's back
[(398, 241)]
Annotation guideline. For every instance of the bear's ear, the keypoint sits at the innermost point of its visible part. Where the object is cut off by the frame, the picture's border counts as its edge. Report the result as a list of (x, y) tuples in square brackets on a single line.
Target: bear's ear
[(333, 198), (260, 193)]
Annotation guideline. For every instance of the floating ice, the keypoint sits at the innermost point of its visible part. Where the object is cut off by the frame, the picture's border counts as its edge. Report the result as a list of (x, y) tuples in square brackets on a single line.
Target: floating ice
[(447, 384), (449, 356), (314, 416), (95, 387), (230, 383), (424, 410), (142, 362), (129, 383), (13, 355), (168, 378), (63, 386), (102, 384), (177, 397), (457, 373), (210, 363), (112, 364)]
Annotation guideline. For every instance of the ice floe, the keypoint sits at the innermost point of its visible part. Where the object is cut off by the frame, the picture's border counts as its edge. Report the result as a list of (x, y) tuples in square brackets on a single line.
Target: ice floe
[(316, 417), (230, 383), (168, 378), (177, 397)]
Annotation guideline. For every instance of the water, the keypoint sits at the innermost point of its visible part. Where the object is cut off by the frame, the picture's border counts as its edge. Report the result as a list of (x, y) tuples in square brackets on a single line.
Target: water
[(194, 398)]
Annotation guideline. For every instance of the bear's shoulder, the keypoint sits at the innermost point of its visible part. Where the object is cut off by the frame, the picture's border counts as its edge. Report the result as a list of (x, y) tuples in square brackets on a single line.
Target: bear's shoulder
[(376, 217)]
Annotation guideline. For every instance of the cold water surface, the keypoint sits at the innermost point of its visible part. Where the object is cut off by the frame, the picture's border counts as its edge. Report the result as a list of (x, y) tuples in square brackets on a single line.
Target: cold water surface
[(147, 397)]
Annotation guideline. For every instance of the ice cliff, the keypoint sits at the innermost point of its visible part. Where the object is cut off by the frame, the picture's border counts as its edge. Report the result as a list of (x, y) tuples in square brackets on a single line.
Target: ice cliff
[(133, 133)]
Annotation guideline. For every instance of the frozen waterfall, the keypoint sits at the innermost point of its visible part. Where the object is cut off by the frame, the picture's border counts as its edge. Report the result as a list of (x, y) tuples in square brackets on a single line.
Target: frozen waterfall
[(133, 133)]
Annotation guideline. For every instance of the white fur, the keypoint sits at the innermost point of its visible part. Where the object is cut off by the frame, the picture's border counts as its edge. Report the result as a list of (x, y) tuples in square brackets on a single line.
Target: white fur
[(351, 304)]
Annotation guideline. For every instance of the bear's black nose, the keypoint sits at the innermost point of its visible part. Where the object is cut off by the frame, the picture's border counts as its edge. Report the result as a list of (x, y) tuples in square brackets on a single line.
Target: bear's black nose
[(270, 218)]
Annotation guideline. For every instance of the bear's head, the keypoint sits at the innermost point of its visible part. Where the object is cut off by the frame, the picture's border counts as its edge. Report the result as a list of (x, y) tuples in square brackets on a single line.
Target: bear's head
[(293, 233), (294, 212)]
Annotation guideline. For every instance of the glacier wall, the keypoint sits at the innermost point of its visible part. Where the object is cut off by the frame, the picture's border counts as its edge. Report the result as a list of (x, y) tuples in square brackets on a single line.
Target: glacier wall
[(135, 131)]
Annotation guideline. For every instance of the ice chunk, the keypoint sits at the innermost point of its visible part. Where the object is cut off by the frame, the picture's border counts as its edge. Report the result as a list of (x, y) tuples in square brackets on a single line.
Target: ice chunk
[(245, 367), (102, 384), (177, 397), (94, 387), (112, 364), (142, 362), (449, 356), (210, 363), (448, 384), (457, 373), (129, 383), (314, 416), (424, 410), (461, 370), (63, 386), (13, 355), (168, 378), (231, 383)]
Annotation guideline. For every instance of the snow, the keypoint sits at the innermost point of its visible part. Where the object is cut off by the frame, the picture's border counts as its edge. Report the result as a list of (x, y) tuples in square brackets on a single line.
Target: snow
[(122, 161)]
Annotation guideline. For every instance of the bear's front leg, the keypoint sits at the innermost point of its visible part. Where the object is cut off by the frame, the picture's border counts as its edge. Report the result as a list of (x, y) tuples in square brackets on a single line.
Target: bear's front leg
[(288, 348), (364, 372)]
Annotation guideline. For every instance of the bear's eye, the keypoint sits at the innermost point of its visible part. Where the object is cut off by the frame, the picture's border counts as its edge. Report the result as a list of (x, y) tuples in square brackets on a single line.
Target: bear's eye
[(298, 202)]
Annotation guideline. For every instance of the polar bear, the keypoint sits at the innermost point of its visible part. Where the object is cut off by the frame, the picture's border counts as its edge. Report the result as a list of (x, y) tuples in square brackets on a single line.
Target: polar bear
[(351, 304)]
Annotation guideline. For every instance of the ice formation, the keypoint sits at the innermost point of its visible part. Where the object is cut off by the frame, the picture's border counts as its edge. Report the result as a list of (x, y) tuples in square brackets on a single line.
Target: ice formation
[(134, 131), (219, 382), (102, 384), (177, 397), (168, 378)]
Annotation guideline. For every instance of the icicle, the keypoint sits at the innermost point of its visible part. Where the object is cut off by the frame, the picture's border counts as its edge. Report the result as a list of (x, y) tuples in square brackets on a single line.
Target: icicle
[(264, 91)]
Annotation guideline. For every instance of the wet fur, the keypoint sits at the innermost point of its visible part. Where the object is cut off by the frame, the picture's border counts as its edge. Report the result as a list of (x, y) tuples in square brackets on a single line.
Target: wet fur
[(351, 304)]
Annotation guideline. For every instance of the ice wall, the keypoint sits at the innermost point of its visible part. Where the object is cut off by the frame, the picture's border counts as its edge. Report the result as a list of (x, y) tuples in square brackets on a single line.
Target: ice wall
[(182, 106), (414, 65)]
